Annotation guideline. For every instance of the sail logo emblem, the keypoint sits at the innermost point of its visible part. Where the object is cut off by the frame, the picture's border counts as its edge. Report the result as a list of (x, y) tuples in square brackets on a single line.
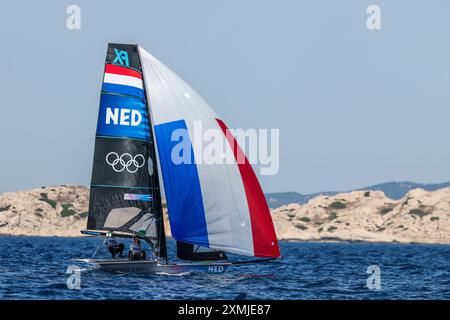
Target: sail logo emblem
[(121, 57), (125, 162), (123, 117)]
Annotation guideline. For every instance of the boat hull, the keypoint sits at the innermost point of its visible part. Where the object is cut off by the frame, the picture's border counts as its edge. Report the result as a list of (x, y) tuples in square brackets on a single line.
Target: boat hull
[(152, 266)]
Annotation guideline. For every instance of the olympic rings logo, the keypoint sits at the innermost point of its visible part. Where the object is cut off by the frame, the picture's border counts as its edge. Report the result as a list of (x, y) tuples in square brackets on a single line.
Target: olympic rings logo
[(125, 161)]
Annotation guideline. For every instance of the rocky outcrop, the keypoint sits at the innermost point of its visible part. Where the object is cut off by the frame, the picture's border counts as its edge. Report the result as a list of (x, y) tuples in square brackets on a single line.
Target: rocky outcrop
[(47, 211), (420, 216)]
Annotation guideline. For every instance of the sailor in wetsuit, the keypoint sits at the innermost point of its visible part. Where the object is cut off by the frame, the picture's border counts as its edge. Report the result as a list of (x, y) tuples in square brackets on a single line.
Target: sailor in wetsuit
[(114, 247), (136, 252)]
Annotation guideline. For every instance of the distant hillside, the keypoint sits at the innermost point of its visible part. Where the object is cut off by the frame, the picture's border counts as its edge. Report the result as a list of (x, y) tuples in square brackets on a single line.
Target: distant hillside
[(397, 190), (278, 199), (394, 190)]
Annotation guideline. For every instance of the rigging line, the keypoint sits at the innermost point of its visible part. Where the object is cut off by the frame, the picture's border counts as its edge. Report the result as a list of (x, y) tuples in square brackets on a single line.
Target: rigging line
[(157, 204), (95, 252)]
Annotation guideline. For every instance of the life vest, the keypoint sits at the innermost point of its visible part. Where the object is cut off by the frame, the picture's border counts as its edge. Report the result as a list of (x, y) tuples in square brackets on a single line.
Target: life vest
[(135, 248), (111, 242)]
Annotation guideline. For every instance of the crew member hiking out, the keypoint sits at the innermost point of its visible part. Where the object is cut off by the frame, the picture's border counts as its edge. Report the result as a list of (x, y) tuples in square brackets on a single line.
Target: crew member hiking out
[(114, 247)]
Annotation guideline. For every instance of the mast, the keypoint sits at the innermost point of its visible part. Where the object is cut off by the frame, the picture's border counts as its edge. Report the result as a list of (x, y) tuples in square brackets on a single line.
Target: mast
[(157, 202)]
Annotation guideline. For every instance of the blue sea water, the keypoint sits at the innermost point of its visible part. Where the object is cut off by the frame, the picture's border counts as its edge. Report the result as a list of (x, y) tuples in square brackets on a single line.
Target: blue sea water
[(35, 268)]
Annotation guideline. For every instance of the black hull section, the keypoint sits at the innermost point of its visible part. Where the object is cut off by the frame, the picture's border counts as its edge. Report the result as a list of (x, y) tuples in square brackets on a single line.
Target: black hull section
[(187, 251)]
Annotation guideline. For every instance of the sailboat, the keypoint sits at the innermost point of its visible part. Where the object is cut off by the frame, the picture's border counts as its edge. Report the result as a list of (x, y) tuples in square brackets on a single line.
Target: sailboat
[(213, 209)]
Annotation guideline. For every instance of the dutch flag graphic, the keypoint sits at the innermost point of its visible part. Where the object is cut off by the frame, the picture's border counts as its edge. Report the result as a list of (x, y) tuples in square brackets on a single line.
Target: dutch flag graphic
[(123, 81)]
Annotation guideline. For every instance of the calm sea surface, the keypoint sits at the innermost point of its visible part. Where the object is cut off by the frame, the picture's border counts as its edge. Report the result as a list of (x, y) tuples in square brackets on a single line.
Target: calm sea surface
[(35, 268)]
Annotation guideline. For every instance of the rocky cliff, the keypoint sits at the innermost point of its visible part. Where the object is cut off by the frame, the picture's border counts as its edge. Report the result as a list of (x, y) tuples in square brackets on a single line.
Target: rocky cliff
[(420, 216)]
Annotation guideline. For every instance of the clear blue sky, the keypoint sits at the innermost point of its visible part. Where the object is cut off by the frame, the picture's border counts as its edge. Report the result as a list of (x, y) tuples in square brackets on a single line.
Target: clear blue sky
[(354, 107)]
